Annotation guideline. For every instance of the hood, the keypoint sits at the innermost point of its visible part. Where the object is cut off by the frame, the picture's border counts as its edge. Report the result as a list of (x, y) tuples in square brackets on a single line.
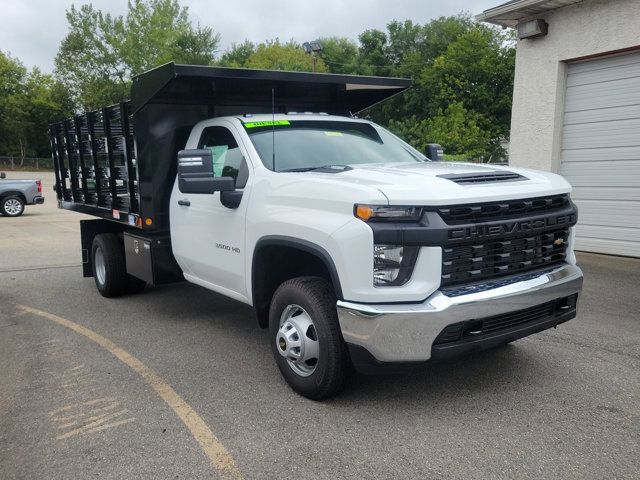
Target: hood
[(423, 183)]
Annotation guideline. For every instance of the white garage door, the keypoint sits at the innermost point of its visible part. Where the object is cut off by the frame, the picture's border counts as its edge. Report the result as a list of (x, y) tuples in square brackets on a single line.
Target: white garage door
[(601, 152)]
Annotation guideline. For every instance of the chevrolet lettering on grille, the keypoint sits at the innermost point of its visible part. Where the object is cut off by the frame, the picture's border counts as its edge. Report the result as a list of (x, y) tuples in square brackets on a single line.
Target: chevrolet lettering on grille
[(506, 228)]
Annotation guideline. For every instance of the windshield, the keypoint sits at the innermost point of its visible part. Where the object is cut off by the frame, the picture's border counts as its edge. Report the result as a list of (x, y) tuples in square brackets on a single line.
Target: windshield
[(310, 144)]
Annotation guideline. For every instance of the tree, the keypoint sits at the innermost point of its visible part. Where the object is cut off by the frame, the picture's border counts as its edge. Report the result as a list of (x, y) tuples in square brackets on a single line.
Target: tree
[(476, 70), (454, 62), (101, 53), (237, 55), (12, 77), (339, 54), (290, 56), (373, 57), (29, 102), (457, 129)]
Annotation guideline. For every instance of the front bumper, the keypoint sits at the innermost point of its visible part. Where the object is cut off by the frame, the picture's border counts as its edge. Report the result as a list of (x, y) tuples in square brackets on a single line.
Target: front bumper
[(405, 333)]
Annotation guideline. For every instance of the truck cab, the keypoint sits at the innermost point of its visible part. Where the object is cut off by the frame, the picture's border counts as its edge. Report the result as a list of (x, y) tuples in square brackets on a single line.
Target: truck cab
[(353, 248)]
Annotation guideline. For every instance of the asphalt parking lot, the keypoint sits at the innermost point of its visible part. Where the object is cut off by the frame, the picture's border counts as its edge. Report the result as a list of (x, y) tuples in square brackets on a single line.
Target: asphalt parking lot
[(564, 403)]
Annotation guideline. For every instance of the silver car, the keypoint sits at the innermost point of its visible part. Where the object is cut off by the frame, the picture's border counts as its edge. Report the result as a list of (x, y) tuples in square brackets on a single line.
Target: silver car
[(15, 194)]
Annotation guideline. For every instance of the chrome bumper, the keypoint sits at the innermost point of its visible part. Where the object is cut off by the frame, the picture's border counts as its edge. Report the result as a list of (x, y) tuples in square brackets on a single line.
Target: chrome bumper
[(405, 332)]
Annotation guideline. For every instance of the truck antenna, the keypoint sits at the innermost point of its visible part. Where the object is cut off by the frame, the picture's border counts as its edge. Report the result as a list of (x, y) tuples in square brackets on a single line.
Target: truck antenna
[(273, 127)]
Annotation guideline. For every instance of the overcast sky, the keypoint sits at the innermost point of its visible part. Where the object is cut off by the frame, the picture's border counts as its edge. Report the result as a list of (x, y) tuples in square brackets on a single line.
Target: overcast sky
[(31, 30)]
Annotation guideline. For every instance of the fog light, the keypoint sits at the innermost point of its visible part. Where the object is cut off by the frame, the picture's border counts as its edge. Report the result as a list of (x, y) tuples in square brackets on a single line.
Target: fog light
[(393, 264)]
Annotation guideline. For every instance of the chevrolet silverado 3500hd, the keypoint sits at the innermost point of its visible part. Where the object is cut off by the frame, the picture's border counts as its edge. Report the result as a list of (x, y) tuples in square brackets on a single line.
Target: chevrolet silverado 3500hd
[(353, 248)]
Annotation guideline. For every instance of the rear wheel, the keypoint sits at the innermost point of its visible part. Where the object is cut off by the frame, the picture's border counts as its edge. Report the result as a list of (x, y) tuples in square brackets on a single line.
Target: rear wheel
[(305, 337), (109, 267), (12, 206)]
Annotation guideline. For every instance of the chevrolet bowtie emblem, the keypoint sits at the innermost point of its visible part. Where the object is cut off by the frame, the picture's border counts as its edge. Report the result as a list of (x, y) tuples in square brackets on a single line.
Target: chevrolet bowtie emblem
[(558, 241)]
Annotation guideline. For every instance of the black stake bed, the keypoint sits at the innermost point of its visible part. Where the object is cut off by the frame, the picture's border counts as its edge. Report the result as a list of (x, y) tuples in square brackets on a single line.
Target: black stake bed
[(119, 162)]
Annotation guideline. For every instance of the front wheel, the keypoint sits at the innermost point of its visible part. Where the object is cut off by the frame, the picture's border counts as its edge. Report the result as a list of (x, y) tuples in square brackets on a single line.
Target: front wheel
[(12, 206), (305, 337)]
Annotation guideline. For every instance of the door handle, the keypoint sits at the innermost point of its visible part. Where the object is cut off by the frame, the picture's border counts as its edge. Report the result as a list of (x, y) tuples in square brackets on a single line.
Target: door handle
[(184, 203)]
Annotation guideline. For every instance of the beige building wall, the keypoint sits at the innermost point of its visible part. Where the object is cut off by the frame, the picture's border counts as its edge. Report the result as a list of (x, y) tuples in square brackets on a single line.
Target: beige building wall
[(579, 30)]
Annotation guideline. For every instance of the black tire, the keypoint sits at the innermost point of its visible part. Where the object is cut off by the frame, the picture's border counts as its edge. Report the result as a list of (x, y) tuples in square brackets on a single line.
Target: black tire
[(135, 285), (12, 206), (115, 280), (317, 298)]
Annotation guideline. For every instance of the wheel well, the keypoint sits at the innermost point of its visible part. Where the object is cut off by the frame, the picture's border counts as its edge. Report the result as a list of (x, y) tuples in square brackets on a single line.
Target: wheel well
[(282, 260), (88, 230), (16, 193)]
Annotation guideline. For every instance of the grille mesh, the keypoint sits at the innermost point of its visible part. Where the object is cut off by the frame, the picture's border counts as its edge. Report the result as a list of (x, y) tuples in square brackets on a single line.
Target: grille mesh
[(488, 259), (486, 212)]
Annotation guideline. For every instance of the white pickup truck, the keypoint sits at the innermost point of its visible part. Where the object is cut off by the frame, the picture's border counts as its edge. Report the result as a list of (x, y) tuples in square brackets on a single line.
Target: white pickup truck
[(353, 248)]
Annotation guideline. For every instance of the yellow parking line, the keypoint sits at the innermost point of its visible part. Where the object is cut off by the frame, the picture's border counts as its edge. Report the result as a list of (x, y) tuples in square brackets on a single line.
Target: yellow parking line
[(212, 447)]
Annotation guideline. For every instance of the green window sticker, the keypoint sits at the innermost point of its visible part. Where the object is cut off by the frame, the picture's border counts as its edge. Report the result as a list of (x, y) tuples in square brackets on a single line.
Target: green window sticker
[(268, 123), (218, 154)]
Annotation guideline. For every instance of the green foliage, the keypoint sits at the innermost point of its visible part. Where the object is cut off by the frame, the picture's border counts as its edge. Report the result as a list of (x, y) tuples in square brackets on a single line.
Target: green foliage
[(237, 55), (457, 65), (29, 102), (340, 55), (462, 72), (274, 55), (457, 129), (373, 58), (101, 53)]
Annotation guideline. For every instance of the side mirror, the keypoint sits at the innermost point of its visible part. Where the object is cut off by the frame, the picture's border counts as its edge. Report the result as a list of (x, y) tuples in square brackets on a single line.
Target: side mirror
[(434, 152), (195, 173), (3, 175)]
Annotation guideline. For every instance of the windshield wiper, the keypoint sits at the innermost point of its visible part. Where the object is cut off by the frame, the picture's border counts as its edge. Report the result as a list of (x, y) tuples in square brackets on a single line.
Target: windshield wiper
[(323, 168)]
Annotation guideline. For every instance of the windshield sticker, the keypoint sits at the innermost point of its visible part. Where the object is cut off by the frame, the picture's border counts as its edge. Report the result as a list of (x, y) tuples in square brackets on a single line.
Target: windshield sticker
[(333, 134), (218, 154), (268, 123)]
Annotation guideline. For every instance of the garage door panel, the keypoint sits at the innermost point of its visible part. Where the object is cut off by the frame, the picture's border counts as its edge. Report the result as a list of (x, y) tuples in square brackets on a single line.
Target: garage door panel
[(603, 95), (600, 153), (600, 75), (626, 112), (602, 173), (609, 233), (605, 63), (605, 193), (610, 154), (610, 213), (610, 247), (618, 133)]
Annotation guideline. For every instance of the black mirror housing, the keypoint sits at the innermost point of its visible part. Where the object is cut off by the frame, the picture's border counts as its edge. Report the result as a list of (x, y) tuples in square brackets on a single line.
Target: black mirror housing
[(434, 152), (195, 173)]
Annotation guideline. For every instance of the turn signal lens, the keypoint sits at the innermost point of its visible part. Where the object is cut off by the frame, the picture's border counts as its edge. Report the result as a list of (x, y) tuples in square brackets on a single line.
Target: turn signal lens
[(386, 213), (364, 212), (148, 221)]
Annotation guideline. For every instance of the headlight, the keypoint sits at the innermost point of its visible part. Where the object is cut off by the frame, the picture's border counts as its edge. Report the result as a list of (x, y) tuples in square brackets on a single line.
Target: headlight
[(393, 264), (381, 213)]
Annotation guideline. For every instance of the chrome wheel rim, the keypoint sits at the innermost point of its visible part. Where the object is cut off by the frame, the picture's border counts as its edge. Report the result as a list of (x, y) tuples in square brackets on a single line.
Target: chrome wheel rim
[(297, 340), (100, 270), (12, 206)]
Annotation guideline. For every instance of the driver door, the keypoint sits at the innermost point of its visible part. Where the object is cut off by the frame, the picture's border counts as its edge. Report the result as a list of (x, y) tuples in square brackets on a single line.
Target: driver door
[(208, 237)]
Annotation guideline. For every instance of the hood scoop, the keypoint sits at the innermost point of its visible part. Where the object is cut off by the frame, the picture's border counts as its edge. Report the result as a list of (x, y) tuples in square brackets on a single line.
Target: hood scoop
[(483, 177)]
